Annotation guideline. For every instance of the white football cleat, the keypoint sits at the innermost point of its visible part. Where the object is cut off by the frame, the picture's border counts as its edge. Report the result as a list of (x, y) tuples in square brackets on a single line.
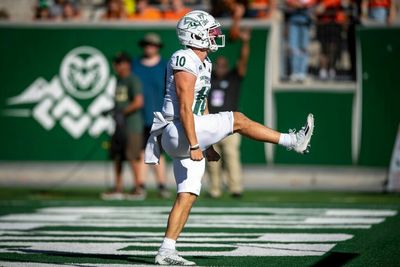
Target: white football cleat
[(303, 136), (171, 257)]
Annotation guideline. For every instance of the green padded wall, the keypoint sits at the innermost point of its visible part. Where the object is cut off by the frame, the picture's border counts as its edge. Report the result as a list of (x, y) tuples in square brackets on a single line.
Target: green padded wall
[(331, 143), (380, 56)]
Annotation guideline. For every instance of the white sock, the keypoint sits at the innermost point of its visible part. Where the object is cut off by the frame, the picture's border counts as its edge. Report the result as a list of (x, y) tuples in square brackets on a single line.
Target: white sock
[(287, 140), (168, 243)]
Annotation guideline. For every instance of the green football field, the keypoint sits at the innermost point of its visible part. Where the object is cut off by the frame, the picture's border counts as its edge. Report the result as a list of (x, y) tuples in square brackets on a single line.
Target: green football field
[(264, 228)]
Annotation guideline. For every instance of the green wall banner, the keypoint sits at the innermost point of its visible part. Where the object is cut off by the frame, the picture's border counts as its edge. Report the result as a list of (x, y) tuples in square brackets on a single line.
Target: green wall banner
[(57, 80)]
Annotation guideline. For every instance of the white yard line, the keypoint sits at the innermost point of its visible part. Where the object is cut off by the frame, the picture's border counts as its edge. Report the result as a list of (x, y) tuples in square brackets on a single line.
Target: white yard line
[(283, 237)]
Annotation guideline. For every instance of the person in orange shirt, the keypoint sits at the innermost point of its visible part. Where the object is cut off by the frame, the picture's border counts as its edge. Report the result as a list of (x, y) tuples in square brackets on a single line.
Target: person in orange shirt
[(176, 11), (144, 11)]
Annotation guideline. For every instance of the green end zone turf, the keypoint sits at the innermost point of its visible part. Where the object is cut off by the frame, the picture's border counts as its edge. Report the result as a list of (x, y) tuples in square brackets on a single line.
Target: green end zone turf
[(74, 227)]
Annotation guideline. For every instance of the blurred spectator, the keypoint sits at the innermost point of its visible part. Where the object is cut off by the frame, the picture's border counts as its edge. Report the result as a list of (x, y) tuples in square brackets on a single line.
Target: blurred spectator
[(70, 12), (381, 11), (299, 21), (233, 8), (127, 139), (4, 14), (237, 10), (42, 12), (229, 8), (129, 6), (261, 8), (176, 10), (150, 68), (56, 8), (115, 10), (224, 95), (353, 15), (248, 8), (144, 11), (330, 20)]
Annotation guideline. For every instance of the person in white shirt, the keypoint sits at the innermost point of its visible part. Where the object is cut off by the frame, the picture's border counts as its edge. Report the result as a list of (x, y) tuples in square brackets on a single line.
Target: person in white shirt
[(187, 131)]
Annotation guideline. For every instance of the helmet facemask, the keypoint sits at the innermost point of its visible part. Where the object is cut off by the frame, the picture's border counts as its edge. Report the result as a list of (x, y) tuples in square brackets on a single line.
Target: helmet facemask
[(215, 38)]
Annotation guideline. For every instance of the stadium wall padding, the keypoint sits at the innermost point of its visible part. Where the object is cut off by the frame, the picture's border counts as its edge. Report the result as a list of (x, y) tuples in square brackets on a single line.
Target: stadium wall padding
[(380, 80), (331, 143)]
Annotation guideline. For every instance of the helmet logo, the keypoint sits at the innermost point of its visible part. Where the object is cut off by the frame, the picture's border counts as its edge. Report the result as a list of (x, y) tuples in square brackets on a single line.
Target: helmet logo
[(190, 22)]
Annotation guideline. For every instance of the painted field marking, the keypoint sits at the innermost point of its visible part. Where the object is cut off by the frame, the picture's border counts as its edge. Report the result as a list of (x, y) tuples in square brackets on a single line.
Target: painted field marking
[(18, 232)]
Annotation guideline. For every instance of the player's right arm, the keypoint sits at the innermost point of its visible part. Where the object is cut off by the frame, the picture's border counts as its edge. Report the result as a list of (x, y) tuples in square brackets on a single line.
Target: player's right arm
[(185, 83)]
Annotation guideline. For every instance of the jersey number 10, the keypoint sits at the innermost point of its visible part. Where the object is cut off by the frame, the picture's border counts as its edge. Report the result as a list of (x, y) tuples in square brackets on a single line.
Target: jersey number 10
[(180, 61)]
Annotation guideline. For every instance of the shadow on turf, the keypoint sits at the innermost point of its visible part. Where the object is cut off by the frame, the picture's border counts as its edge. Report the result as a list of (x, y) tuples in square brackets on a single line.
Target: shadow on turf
[(127, 258), (335, 259)]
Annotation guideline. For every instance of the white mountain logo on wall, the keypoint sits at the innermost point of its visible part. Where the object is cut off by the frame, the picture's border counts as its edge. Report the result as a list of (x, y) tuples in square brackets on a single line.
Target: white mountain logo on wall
[(85, 75)]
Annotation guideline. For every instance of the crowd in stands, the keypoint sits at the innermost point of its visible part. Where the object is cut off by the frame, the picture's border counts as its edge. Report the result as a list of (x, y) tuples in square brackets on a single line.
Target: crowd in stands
[(328, 23), (341, 11), (149, 9)]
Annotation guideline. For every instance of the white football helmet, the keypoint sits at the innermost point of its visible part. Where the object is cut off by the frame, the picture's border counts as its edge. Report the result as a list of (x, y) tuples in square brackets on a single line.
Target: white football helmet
[(201, 30)]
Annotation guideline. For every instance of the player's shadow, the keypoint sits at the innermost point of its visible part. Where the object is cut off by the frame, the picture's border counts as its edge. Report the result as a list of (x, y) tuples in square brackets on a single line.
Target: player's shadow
[(128, 258), (335, 259)]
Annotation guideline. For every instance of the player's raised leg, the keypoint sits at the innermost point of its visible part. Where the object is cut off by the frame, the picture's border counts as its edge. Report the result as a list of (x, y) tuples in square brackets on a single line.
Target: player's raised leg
[(298, 141)]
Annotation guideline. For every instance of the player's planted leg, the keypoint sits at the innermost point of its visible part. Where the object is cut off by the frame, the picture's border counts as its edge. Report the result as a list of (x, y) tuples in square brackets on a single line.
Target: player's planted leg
[(167, 254), (299, 141)]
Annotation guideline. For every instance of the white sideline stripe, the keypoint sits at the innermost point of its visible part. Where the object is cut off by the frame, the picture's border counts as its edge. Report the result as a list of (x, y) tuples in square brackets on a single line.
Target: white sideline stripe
[(269, 249), (205, 221), (361, 213), (130, 217), (28, 264), (107, 210), (304, 237), (30, 226), (277, 237), (40, 218), (115, 233), (297, 246), (302, 211), (157, 244), (34, 264), (344, 220), (262, 238)]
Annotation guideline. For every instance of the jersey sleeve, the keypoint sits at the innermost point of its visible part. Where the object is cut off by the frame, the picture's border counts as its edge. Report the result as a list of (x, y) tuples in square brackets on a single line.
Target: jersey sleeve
[(182, 61)]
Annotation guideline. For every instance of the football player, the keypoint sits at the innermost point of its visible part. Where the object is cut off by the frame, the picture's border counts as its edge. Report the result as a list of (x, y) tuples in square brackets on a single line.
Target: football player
[(188, 131)]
